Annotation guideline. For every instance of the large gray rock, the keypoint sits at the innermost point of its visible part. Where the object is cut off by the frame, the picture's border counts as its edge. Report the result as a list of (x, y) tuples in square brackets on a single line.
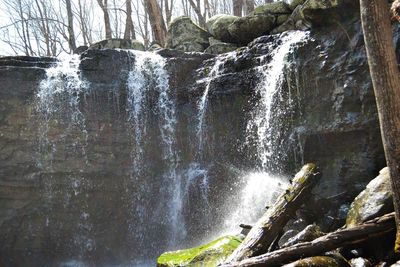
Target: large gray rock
[(118, 43), (246, 29), (218, 47), (309, 233), (319, 12), (183, 34), (360, 262), (294, 3), (276, 8), (218, 26), (374, 201), (261, 21), (295, 21)]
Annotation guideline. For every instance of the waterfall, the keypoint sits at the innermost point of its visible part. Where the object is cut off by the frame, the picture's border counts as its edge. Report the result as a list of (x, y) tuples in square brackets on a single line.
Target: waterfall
[(261, 125), (58, 105), (147, 76), (216, 70), (261, 187)]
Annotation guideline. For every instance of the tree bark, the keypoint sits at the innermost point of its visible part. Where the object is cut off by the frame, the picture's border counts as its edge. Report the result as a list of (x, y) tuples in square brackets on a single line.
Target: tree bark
[(156, 21), (129, 28), (197, 10), (268, 227), (237, 7), (249, 6), (106, 15), (331, 241), (386, 81), (71, 33)]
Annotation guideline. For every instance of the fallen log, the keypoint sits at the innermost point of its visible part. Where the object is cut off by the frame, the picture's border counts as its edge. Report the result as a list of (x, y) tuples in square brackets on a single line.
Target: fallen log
[(331, 241), (268, 227)]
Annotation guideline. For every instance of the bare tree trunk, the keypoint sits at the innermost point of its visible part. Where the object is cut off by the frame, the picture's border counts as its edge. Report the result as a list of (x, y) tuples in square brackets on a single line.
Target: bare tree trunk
[(129, 28), (156, 21), (386, 81), (340, 238), (268, 227), (197, 9), (249, 6), (107, 24), (168, 7), (71, 34), (237, 7)]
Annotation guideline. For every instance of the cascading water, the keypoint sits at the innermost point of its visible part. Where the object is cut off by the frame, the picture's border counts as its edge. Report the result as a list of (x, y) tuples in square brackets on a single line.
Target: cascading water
[(148, 76), (261, 126), (58, 104), (163, 182), (215, 71), (261, 187)]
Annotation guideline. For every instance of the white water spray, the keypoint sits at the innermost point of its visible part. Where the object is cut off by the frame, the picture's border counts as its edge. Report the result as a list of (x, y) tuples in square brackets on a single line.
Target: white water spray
[(262, 115)]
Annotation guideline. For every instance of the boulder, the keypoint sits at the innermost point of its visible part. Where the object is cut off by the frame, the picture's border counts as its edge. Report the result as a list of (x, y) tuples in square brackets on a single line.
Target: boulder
[(155, 47), (80, 49), (309, 233), (374, 201), (279, 7), (294, 3), (360, 262), (218, 47), (210, 254), (246, 29), (218, 25), (183, 34), (316, 11), (118, 43)]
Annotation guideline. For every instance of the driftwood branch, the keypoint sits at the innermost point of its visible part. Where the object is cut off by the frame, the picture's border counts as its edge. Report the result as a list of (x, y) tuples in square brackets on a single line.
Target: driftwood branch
[(331, 241), (268, 227)]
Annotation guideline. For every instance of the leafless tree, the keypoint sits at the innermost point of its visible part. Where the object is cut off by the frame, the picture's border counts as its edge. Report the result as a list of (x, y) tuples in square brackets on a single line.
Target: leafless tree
[(129, 28), (71, 33), (107, 24), (156, 21)]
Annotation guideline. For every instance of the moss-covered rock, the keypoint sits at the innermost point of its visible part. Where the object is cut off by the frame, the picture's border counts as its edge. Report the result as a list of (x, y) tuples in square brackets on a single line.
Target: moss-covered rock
[(218, 25), (218, 47), (118, 43), (246, 29), (374, 201), (183, 34), (279, 7), (295, 3), (210, 254), (318, 12)]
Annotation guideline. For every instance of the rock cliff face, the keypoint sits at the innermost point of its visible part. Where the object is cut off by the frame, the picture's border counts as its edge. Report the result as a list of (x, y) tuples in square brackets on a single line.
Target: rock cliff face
[(68, 187)]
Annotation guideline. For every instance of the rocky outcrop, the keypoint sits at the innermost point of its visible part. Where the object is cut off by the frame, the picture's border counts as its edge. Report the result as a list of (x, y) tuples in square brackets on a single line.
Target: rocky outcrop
[(184, 35), (118, 43), (218, 25), (218, 47), (374, 201)]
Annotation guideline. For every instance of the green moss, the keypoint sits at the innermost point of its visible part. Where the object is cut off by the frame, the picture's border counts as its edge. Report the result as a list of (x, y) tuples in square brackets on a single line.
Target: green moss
[(210, 254)]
